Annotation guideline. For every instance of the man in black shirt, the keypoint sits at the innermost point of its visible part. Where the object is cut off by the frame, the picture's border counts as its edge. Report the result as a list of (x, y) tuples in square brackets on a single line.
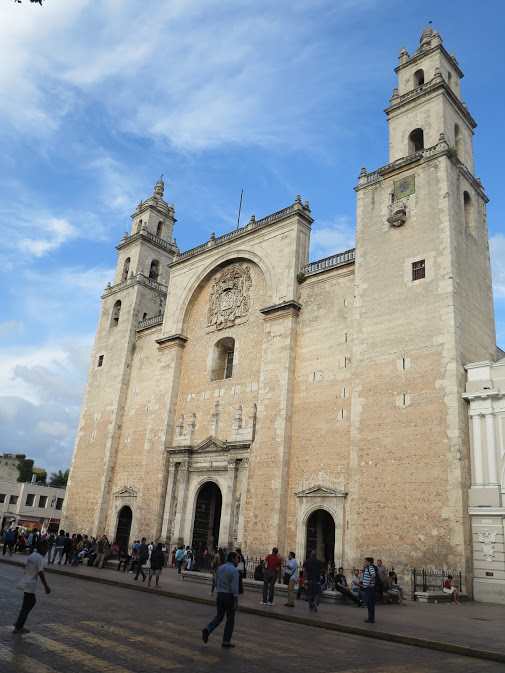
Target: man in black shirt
[(143, 555), (312, 569)]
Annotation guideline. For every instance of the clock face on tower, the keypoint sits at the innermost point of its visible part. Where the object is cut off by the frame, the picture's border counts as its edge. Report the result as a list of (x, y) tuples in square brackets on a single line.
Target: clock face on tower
[(404, 187)]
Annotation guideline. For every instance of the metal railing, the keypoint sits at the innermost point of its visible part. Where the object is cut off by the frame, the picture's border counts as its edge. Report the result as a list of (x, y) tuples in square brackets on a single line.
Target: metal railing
[(427, 580)]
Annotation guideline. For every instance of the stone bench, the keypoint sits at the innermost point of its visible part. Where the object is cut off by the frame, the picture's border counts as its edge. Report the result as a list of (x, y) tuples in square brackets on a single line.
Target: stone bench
[(436, 597)]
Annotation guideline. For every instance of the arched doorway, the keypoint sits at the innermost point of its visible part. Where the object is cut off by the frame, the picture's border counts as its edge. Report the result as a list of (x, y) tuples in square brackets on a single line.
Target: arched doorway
[(207, 517), (124, 524), (321, 535)]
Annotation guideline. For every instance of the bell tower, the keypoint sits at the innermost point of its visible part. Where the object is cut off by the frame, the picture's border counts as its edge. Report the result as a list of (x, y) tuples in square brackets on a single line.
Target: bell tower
[(423, 310), (427, 102)]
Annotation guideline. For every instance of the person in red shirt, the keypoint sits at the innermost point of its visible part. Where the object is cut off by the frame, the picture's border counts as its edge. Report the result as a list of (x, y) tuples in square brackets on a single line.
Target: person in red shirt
[(273, 565)]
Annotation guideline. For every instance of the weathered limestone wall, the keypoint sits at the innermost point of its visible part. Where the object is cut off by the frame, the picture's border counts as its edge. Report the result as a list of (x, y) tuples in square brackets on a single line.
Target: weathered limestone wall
[(322, 390), (406, 476)]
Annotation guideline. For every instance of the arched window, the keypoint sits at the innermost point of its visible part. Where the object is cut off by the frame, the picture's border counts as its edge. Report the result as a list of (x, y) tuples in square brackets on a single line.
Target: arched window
[(116, 310), (222, 359), (416, 141), (126, 269), (458, 142), (418, 77), (159, 228), (467, 207), (154, 271)]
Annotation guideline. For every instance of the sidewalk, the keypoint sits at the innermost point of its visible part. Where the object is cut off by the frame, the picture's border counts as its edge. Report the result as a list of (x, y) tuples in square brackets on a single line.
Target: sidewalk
[(471, 629)]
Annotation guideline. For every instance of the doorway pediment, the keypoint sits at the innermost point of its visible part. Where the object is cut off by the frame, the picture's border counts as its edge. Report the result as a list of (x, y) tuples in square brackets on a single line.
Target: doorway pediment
[(319, 491), (126, 492)]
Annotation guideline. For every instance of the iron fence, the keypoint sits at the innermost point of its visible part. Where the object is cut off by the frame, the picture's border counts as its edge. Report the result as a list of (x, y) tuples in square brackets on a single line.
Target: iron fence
[(423, 579)]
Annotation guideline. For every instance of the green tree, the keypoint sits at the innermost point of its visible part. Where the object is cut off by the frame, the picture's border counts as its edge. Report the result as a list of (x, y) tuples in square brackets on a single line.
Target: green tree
[(59, 479), (25, 469)]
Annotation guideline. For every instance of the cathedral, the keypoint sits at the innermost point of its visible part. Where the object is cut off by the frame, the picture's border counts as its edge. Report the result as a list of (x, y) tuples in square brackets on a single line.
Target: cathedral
[(242, 395)]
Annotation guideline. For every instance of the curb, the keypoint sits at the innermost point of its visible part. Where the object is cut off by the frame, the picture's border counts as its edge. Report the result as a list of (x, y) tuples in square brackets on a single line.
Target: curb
[(413, 641)]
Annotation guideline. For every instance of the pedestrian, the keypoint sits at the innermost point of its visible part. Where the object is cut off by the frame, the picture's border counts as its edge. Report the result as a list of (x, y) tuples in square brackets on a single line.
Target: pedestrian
[(9, 541), (100, 551), (67, 548), (179, 558), (227, 585), (291, 576), (381, 581), (188, 557), (368, 581), (342, 587), (157, 563), (241, 569), (143, 555), (356, 586), (273, 564), (312, 569), (28, 584), (57, 548)]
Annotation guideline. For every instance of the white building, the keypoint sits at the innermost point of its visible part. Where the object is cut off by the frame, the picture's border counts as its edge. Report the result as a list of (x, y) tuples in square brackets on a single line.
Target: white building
[(30, 505), (485, 392)]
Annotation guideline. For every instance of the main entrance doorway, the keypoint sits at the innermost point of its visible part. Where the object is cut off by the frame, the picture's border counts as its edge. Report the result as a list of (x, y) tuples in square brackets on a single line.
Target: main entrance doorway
[(321, 535), (207, 518), (124, 524)]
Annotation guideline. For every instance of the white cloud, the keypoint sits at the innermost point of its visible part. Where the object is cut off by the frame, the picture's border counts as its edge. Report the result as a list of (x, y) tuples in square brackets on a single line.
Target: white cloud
[(195, 73), (327, 238), (11, 328), (497, 243), (58, 231)]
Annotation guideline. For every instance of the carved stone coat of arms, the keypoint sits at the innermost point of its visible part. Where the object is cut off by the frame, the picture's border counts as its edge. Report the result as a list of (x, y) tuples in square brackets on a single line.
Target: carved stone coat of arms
[(229, 296)]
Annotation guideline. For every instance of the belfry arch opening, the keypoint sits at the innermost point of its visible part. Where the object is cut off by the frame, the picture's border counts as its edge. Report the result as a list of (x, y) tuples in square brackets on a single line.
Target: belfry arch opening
[(418, 77), (416, 141), (154, 270), (467, 208), (126, 269), (116, 312), (320, 536), (207, 519), (124, 525)]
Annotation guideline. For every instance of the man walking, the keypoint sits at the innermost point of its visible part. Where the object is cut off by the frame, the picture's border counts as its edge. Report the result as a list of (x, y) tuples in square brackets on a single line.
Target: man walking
[(227, 586), (312, 569), (28, 583), (273, 563), (142, 559), (368, 582)]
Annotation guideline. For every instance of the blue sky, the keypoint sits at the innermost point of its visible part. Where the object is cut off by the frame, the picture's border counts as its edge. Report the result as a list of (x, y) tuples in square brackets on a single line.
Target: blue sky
[(278, 98)]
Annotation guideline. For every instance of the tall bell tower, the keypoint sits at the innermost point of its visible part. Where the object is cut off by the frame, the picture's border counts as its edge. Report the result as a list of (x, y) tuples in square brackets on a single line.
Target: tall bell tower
[(136, 298), (423, 310)]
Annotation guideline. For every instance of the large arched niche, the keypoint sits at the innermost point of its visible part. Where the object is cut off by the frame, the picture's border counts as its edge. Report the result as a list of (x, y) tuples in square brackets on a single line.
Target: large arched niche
[(194, 288), (212, 403)]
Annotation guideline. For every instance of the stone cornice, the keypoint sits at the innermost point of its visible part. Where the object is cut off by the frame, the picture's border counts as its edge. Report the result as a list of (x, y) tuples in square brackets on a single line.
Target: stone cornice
[(429, 153), (291, 306), (438, 82), (137, 279), (298, 209), (420, 54), (327, 263), (487, 511), (147, 237), (207, 447), (171, 341)]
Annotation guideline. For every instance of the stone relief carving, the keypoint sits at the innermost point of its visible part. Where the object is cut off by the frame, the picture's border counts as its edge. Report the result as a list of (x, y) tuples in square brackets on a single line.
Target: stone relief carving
[(488, 540), (229, 296)]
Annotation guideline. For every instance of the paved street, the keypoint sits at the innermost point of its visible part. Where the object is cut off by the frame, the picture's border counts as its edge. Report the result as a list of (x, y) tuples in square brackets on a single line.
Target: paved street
[(89, 627)]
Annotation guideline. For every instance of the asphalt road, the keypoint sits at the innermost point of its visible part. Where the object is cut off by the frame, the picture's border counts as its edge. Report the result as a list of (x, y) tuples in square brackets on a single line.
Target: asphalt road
[(83, 627)]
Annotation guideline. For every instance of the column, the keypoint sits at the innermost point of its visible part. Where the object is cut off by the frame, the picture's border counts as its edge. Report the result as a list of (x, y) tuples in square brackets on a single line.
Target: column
[(227, 510), (168, 514), (478, 473), (491, 450)]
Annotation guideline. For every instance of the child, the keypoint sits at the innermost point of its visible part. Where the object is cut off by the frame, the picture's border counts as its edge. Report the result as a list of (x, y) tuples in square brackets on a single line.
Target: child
[(450, 588)]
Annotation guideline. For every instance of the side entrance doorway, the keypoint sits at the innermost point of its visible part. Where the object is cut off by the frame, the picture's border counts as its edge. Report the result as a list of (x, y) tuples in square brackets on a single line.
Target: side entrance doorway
[(321, 535), (207, 518), (124, 525)]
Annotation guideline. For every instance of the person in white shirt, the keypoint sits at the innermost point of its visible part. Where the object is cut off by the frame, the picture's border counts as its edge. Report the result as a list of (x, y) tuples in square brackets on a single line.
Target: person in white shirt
[(292, 578), (28, 584)]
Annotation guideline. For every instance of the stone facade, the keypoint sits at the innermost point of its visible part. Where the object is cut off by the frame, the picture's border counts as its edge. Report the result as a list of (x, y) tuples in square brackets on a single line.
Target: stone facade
[(485, 393), (243, 382)]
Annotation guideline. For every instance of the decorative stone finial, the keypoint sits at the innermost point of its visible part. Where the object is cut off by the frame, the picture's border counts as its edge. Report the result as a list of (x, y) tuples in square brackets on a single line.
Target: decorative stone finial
[(363, 172), (298, 199), (306, 205), (426, 36), (394, 95), (404, 55), (159, 187)]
